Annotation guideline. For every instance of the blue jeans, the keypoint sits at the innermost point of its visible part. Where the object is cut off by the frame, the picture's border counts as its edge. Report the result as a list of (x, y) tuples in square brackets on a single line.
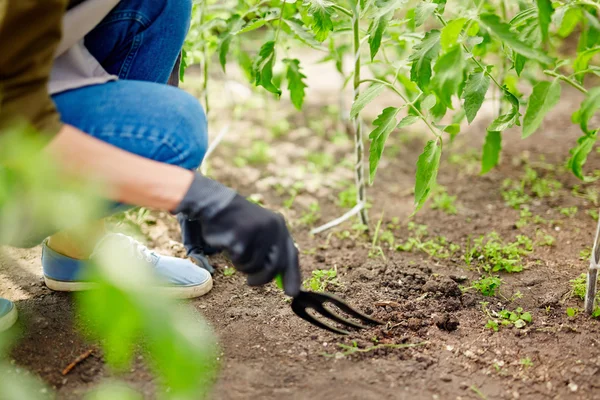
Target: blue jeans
[(139, 41)]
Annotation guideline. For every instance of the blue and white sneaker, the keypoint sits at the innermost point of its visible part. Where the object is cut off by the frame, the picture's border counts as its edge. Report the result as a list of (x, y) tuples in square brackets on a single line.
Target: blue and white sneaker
[(8, 314), (183, 279)]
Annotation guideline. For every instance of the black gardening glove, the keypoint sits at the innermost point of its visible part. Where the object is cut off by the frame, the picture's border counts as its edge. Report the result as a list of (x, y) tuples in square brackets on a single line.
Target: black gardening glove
[(256, 239), (196, 247)]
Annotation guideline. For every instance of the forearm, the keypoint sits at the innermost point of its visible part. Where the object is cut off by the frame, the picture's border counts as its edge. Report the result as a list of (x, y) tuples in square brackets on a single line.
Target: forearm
[(128, 178)]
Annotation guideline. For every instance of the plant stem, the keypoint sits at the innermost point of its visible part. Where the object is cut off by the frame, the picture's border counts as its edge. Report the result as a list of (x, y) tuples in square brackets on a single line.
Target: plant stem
[(343, 10), (359, 168), (567, 80), (409, 103), (279, 20)]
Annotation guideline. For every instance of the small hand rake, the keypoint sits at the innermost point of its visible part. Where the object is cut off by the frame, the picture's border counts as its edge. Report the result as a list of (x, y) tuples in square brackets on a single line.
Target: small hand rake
[(311, 300)]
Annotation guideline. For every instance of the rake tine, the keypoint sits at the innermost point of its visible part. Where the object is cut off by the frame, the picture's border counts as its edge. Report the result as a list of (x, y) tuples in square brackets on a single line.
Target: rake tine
[(349, 310), (300, 311), (331, 315)]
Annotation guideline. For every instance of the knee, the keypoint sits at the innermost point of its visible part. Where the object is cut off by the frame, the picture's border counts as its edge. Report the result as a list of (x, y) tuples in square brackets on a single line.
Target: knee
[(192, 135), (176, 16)]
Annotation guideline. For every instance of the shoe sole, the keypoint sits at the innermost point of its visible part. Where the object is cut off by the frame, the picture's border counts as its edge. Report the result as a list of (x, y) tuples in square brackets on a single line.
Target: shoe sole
[(182, 292), (9, 319)]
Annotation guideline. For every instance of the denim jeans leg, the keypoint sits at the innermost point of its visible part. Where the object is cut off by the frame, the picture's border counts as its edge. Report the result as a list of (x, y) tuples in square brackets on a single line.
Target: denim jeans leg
[(141, 39)]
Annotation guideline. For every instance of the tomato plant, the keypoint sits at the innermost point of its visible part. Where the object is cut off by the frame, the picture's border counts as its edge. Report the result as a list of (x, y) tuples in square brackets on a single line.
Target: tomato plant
[(442, 59)]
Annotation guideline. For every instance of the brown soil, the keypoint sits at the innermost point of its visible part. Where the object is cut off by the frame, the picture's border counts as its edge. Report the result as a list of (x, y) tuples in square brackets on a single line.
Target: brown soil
[(271, 354)]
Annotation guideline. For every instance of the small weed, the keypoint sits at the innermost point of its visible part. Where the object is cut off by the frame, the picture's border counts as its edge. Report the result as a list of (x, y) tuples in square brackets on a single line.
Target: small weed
[(493, 255), (518, 318), (320, 162), (543, 238), (487, 286), (376, 250), (131, 222), (258, 154), (280, 128), (312, 215), (321, 279), (578, 286), (469, 162), (585, 254), (517, 193), (349, 350), (442, 201), (589, 193), (572, 312), (228, 271), (526, 362), (292, 192), (256, 198), (347, 197), (568, 211), (593, 214)]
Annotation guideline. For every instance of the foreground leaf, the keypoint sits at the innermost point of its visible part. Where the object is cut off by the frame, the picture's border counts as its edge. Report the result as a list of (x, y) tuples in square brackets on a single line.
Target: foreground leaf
[(511, 118), (579, 155), (263, 68), (582, 61), (451, 33), (296, 83), (491, 151), (590, 105), (365, 98), (545, 11), (425, 52), (321, 13), (476, 88), (384, 124), (509, 38), (423, 12), (234, 24), (544, 98), (376, 31), (427, 169), (303, 34), (449, 75)]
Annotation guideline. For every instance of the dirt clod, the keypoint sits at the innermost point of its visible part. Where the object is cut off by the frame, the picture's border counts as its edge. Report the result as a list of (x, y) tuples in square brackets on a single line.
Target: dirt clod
[(447, 322), (443, 285)]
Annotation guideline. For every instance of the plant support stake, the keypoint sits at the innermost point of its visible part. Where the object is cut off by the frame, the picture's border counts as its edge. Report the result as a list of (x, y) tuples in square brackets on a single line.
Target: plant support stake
[(592, 275), (356, 123)]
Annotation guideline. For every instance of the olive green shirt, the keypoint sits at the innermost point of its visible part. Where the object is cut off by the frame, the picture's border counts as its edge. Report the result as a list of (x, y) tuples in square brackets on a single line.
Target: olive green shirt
[(30, 31)]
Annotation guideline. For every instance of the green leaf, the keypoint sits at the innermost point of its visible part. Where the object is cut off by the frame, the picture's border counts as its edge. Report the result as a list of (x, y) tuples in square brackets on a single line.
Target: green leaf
[(544, 98), (590, 105), (321, 12), (491, 151), (423, 55), (509, 38), (296, 83), (384, 124), (427, 169), (234, 24), (376, 31), (582, 61), (423, 11), (569, 22), (263, 67), (428, 102), (545, 11), (476, 88), (511, 118), (365, 98), (303, 34), (579, 155), (449, 75), (407, 121), (383, 7), (451, 32)]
